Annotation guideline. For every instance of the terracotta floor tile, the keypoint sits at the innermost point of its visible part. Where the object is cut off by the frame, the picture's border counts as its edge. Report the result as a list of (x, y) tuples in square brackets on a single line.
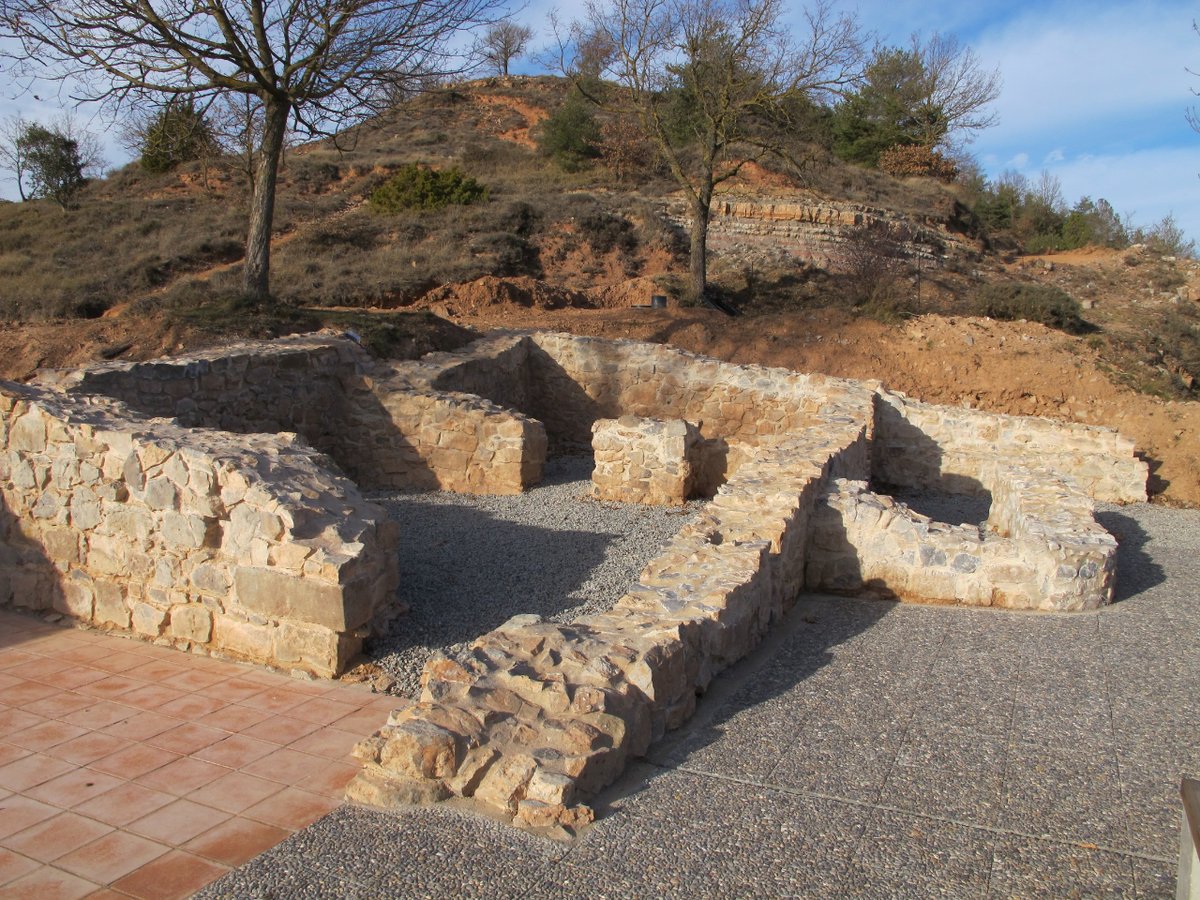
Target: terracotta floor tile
[(331, 743), (265, 678), (134, 760), (85, 653), (73, 788), (89, 747), (191, 706), (10, 657), (174, 875), (7, 680), (52, 838), (194, 680), (178, 822), (100, 715), (118, 661), (282, 730), (45, 735), (275, 699), (187, 738), (110, 688), (235, 792), (158, 671), (235, 718), (14, 865), (321, 711), (362, 722), (236, 751), (152, 697), (46, 883), (236, 841), (287, 766), (27, 692), (36, 669), (32, 770), (234, 690), (291, 808), (16, 719), (361, 696), (142, 726), (63, 704), (11, 753), (124, 803), (73, 676), (330, 781), (21, 812), (111, 857), (182, 776)]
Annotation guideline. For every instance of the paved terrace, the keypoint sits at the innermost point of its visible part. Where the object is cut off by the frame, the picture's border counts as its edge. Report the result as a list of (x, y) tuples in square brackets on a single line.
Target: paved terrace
[(867, 749)]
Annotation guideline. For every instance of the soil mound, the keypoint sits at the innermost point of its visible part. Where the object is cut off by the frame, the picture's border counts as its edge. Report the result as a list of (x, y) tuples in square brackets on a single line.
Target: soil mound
[(491, 294)]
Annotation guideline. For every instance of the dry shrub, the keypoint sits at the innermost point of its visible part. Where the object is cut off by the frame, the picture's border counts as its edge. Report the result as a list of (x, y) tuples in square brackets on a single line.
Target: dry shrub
[(907, 160)]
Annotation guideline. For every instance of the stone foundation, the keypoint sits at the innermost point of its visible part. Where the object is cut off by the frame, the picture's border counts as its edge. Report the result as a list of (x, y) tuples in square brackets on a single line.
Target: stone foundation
[(176, 531), (644, 460)]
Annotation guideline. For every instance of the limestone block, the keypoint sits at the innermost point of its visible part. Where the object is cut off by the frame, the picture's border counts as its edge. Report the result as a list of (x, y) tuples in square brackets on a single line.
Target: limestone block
[(77, 597), (243, 638), (110, 608), (148, 620), (192, 622), (419, 749)]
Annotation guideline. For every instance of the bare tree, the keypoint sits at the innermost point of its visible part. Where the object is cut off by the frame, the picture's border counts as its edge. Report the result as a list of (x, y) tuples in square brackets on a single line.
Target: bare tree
[(707, 80), (504, 42), (14, 150), (313, 64), (953, 91)]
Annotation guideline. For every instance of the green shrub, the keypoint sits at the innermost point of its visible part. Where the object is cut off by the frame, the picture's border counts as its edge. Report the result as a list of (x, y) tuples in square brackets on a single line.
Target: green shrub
[(177, 134), (570, 136), (1048, 305), (418, 187)]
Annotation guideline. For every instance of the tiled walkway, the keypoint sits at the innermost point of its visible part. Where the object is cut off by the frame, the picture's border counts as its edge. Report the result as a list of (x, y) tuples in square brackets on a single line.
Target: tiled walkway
[(128, 769)]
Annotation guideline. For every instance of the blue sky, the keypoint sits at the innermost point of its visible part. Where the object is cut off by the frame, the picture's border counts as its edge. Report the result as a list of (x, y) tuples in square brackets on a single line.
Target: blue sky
[(1094, 93)]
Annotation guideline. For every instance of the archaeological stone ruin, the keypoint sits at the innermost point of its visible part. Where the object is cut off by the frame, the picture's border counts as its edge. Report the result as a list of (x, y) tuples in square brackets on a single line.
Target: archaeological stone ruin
[(214, 503)]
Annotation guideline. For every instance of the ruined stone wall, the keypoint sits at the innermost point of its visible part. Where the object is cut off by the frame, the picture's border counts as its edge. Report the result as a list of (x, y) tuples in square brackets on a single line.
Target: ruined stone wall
[(198, 539), (644, 460), (536, 715), (410, 438), (380, 429), (296, 384), (920, 445), (1042, 548)]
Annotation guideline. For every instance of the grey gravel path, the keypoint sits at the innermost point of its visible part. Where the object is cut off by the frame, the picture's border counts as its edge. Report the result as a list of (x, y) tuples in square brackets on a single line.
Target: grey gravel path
[(869, 749), (469, 564)]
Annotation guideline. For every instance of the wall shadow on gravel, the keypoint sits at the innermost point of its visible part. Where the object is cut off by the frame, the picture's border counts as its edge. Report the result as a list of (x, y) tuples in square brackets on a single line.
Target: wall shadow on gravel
[(465, 572), (1136, 571), (780, 665)]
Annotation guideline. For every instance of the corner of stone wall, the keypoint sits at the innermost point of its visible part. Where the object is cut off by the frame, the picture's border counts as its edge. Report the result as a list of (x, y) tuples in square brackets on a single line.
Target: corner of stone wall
[(188, 538)]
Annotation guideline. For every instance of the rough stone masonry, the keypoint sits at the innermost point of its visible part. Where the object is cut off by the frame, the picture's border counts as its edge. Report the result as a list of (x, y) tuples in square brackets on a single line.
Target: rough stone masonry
[(199, 502)]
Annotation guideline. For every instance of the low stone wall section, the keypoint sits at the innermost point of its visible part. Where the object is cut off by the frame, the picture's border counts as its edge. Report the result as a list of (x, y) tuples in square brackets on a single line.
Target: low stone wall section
[(923, 446), (644, 460), (193, 538), (536, 716), (1041, 549)]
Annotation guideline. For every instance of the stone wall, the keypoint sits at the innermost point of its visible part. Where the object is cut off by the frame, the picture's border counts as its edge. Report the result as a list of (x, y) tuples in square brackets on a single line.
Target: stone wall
[(644, 460), (1041, 549), (919, 445), (535, 716), (197, 539)]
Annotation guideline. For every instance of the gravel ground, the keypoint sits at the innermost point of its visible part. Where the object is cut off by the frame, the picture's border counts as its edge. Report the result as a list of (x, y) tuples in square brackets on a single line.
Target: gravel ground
[(469, 563)]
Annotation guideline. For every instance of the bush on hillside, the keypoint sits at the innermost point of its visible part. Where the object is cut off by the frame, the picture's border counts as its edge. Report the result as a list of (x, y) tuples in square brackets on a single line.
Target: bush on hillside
[(418, 187), (906, 160), (1041, 303), (570, 135), (178, 133)]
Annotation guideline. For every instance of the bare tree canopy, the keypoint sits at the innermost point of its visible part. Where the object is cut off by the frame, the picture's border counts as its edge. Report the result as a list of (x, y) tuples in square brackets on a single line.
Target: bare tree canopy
[(708, 80), (953, 89), (504, 42), (312, 64)]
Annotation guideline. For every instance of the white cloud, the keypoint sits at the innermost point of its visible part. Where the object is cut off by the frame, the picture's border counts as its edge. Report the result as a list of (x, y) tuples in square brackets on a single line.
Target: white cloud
[(1056, 155), (1020, 162)]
